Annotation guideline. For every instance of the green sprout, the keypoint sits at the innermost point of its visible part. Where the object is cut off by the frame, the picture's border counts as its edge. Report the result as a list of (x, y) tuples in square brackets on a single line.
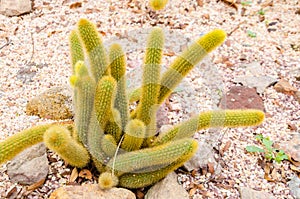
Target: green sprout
[(251, 34), (261, 12), (268, 151), (246, 3)]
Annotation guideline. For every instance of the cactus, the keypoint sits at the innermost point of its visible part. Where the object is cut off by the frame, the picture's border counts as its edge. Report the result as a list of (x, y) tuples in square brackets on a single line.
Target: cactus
[(123, 147), (158, 4)]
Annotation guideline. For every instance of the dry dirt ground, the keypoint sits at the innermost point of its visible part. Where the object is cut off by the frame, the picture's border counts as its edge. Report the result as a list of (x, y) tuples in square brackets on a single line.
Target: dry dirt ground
[(36, 58)]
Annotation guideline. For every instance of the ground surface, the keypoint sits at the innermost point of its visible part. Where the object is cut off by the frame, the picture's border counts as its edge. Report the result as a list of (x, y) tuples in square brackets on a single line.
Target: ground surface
[(37, 58)]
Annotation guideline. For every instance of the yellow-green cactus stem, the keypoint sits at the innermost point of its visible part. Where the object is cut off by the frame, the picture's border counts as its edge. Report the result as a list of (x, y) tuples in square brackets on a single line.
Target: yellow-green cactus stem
[(183, 64), (95, 50), (134, 95), (109, 145), (149, 159), (16, 143), (59, 139), (146, 111), (114, 125), (139, 180), (107, 180), (84, 92), (118, 68), (134, 135), (158, 4), (104, 99), (211, 119), (76, 50)]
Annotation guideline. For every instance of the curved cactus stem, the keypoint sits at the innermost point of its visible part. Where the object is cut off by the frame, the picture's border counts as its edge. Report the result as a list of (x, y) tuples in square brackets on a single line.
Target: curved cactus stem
[(158, 4), (134, 135), (150, 159), (77, 53), (107, 180), (139, 180), (210, 119), (184, 63), (16, 143), (118, 68), (95, 51), (109, 145), (59, 139), (114, 125)]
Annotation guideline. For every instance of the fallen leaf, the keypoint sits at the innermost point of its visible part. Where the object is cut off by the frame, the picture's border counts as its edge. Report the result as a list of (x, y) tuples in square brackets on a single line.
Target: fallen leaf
[(75, 5), (231, 3), (225, 148), (295, 168), (73, 175), (192, 191), (200, 3), (11, 192), (85, 173), (211, 168), (267, 169), (36, 185)]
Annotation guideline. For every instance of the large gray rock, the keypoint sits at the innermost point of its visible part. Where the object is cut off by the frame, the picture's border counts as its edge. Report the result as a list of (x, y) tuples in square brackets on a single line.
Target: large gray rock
[(167, 188), (91, 191), (204, 156), (55, 104), (247, 193), (30, 166), (15, 7), (294, 186)]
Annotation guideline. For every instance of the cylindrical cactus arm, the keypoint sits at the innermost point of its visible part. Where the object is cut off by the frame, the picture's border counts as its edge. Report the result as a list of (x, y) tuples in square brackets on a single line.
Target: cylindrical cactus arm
[(146, 110), (139, 180), (118, 68), (76, 50), (95, 50), (210, 119), (150, 159), (108, 145), (84, 92), (59, 139), (134, 135), (183, 64), (104, 99), (114, 125), (16, 143), (158, 4)]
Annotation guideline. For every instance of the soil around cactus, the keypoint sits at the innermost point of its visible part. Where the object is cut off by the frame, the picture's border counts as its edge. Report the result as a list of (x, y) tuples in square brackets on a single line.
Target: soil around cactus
[(38, 43)]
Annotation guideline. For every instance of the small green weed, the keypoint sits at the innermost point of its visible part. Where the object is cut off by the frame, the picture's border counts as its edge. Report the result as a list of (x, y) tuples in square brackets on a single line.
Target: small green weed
[(251, 34), (246, 3), (261, 12), (267, 149)]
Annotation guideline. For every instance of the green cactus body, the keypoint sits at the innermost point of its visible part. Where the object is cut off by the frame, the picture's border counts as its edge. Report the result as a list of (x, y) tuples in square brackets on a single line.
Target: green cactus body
[(150, 159), (104, 98), (139, 180), (107, 180), (114, 126), (158, 4), (84, 91), (59, 139), (76, 49), (95, 51), (211, 119), (118, 69), (146, 110), (108, 145), (187, 60), (134, 95), (15, 144), (134, 135)]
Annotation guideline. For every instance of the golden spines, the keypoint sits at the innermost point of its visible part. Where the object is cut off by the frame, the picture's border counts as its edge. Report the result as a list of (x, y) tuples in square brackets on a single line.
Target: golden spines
[(158, 4), (76, 49), (134, 135)]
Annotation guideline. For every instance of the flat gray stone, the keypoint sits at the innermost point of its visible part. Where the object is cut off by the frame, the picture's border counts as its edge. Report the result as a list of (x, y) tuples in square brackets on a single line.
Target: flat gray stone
[(15, 7), (167, 188), (30, 166), (294, 186), (247, 193), (91, 191)]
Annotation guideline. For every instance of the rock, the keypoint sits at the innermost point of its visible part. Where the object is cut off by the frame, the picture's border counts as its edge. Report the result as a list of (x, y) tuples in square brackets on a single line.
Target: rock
[(241, 97), (55, 104), (15, 7), (292, 147), (203, 157), (247, 193), (30, 166), (283, 86), (91, 191), (167, 188), (258, 82), (294, 186)]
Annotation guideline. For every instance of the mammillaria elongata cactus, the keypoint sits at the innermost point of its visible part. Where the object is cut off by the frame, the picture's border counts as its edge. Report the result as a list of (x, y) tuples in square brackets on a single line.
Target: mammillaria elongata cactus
[(123, 145)]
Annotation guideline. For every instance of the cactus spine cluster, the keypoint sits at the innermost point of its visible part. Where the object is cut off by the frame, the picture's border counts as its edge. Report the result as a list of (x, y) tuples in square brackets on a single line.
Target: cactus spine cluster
[(158, 4), (122, 145)]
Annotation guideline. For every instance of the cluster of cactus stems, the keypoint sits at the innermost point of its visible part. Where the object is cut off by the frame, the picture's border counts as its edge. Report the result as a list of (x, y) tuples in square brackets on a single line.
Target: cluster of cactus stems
[(123, 144)]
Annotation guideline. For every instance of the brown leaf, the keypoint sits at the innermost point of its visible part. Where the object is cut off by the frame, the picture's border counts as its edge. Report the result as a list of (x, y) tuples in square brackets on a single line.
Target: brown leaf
[(36, 185), (231, 3), (169, 53), (267, 169), (73, 175), (11, 192), (200, 3), (85, 173), (192, 191), (76, 5), (211, 168), (295, 168), (225, 148)]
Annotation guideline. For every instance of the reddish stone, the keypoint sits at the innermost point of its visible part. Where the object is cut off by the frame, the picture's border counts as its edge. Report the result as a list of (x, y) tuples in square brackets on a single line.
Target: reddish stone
[(241, 97)]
